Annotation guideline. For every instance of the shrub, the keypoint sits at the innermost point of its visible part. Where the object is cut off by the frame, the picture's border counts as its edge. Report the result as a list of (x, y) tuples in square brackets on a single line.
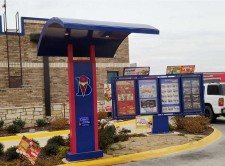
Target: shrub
[(19, 122), (122, 135), (192, 125), (41, 122), (62, 151), (53, 160), (106, 135), (1, 149), (13, 128), (11, 154), (1, 123), (58, 140), (50, 149), (67, 140), (59, 123), (102, 115), (36, 142)]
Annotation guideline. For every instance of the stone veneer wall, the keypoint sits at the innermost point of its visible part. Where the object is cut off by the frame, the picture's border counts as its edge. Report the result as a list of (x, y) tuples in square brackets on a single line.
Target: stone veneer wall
[(31, 114), (31, 95)]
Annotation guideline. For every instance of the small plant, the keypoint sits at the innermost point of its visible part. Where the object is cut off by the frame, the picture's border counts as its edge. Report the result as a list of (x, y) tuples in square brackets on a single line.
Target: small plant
[(67, 140), (1, 123), (19, 122), (41, 122), (50, 149), (58, 140), (102, 115), (106, 135), (13, 128), (192, 125), (36, 142), (1, 149), (122, 135), (11, 154), (62, 151), (137, 135), (59, 123)]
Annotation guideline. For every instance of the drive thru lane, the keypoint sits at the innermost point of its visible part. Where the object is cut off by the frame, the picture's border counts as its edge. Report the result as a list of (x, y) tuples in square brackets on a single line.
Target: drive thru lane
[(211, 155)]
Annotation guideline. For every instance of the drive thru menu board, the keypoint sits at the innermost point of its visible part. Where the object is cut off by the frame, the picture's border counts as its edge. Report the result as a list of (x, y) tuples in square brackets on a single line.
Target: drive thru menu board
[(125, 95), (191, 94), (170, 95), (148, 96)]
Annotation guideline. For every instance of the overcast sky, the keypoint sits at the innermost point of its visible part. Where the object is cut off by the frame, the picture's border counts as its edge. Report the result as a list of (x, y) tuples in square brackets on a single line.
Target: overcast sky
[(192, 32)]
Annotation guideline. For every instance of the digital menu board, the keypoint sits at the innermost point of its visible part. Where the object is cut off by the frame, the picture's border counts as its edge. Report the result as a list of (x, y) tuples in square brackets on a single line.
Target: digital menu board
[(148, 96), (170, 95), (191, 94), (125, 95)]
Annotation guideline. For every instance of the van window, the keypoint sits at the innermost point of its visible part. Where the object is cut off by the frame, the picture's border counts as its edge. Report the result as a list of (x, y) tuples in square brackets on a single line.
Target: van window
[(213, 90), (222, 89)]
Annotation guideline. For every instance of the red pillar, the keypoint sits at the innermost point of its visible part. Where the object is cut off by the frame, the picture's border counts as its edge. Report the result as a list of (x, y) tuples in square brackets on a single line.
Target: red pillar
[(71, 99), (92, 59)]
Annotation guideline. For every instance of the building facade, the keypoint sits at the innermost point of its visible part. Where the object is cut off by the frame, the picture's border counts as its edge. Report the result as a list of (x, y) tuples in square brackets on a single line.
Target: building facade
[(30, 85)]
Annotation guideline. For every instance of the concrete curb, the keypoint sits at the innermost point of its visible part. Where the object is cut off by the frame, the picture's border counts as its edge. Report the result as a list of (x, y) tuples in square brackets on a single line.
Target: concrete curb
[(34, 135), (150, 154)]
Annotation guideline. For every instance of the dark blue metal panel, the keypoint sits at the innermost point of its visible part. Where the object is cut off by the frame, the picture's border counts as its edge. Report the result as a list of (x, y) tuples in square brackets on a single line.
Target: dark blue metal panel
[(160, 124), (84, 107), (84, 155), (106, 36)]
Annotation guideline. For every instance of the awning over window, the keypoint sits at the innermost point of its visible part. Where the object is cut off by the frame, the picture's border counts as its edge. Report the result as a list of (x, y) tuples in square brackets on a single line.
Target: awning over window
[(106, 36)]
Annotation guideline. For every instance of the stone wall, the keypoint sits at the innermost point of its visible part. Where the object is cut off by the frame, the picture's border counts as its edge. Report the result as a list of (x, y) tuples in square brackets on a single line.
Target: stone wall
[(31, 114)]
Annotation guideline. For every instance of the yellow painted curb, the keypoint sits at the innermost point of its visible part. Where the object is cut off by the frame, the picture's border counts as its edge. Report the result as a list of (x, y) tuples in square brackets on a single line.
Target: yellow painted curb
[(35, 135), (53, 133), (124, 123), (150, 154)]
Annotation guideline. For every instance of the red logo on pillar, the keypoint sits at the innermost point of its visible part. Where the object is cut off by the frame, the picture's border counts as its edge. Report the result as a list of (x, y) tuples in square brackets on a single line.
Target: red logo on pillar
[(84, 87)]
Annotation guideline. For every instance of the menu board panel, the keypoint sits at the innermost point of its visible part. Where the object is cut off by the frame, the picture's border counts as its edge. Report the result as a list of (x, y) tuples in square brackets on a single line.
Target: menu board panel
[(134, 71), (191, 94), (125, 95), (148, 96), (170, 95)]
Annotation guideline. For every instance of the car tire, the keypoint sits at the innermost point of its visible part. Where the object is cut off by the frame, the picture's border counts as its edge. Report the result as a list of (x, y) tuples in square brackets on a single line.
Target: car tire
[(210, 114)]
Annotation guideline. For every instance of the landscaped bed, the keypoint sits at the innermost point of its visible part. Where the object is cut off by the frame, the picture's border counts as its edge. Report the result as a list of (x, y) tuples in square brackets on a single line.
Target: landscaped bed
[(120, 141)]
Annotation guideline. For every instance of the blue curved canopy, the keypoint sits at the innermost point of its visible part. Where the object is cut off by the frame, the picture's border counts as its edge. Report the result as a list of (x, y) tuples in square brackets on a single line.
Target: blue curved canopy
[(106, 36)]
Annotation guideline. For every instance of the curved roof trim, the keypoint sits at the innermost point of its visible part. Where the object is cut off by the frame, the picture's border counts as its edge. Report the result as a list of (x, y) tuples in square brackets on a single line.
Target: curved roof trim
[(106, 36)]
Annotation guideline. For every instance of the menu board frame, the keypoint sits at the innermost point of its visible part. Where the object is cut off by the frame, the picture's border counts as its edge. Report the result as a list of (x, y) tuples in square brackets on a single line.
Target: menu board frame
[(125, 98), (148, 96), (192, 94), (170, 95)]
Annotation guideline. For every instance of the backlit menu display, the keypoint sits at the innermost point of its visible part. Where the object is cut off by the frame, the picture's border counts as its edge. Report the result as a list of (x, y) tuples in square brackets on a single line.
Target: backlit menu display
[(170, 95), (148, 96), (191, 94), (125, 95)]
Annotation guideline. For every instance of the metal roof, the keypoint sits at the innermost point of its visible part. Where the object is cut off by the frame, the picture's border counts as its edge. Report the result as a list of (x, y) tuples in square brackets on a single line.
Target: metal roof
[(106, 36)]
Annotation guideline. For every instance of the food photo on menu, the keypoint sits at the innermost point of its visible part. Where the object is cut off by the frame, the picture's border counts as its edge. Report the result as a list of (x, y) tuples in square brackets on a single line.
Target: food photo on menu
[(148, 106)]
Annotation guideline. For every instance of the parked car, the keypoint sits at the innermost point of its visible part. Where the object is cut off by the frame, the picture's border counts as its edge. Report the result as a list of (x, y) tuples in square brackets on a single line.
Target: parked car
[(214, 93)]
